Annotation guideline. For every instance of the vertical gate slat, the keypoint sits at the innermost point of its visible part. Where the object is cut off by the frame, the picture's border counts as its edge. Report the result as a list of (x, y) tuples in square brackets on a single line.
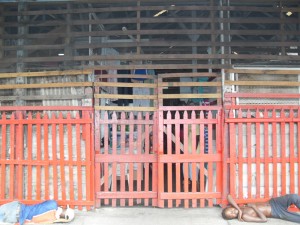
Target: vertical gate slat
[(79, 158), (194, 168), (70, 159), (178, 147), (185, 152), (89, 179), (12, 157), (19, 148), (292, 151), (202, 175), (154, 150), (283, 154), (131, 151), (3, 156), (160, 146), (210, 164), (146, 152), (114, 152), (29, 149), (46, 156), (39, 157), (54, 155), (98, 169), (131, 178), (122, 165), (169, 165), (266, 156), (221, 169), (240, 155), (257, 154), (232, 153), (139, 152), (107, 175), (249, 156), (62, 156), (274, 154)]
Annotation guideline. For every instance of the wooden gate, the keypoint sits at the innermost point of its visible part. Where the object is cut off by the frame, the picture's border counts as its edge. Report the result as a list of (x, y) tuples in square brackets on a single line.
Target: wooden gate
[(126, 139), (189, 156)]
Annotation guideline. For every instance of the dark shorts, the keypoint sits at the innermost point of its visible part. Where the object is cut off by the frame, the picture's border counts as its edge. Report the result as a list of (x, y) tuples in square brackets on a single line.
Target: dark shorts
[(280, 207)]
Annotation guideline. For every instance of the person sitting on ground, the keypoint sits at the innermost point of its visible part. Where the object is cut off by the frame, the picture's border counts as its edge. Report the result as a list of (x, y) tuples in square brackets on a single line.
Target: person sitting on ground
[(275, 208), (45, 212)]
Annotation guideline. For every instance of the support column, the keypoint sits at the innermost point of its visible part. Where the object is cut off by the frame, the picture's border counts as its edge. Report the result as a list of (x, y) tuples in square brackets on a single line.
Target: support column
[(68, 63), (1, 32)]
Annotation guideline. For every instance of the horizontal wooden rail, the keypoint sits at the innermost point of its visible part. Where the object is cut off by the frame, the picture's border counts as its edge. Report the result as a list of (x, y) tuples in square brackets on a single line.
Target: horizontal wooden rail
[(260, 95), (190, 195), (169, 75), (124, 195), (264, 71), (239, 20), (261, 107), (190, 84), (179, 43), (139, 158), (264, 83), (46, 73), (178, 96), (132, 76), (46, 97), (187, 158), (119, 96), (125, 108), (46, 108), (48, 85), (121, 84), (156, 8)]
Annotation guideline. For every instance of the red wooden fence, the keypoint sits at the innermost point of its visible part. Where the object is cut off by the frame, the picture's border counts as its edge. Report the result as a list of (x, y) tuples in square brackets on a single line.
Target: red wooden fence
[(47, 155), (263, 151)]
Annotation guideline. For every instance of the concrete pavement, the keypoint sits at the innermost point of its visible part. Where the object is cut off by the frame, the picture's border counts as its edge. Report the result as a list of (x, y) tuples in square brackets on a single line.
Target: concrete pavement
[(157, 216)]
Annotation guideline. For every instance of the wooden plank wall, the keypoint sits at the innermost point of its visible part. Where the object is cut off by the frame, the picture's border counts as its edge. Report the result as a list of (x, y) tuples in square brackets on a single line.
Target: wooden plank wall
[(48, 88), (192, 35), (262, 86)]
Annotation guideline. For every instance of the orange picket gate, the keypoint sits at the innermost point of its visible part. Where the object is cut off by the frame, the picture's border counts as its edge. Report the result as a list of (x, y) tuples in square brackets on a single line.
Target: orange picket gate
[(189, 156), (126, 159), (47, 154), (263, 151)]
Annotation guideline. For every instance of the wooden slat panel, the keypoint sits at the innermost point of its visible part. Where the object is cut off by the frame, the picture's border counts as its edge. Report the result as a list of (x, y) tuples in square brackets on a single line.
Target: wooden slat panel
[(250, 25), (275, 158), (35, 172)]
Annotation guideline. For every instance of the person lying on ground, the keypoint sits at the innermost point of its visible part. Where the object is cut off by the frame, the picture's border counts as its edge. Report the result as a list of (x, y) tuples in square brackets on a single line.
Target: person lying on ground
[(46, 212), (259, 212)]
